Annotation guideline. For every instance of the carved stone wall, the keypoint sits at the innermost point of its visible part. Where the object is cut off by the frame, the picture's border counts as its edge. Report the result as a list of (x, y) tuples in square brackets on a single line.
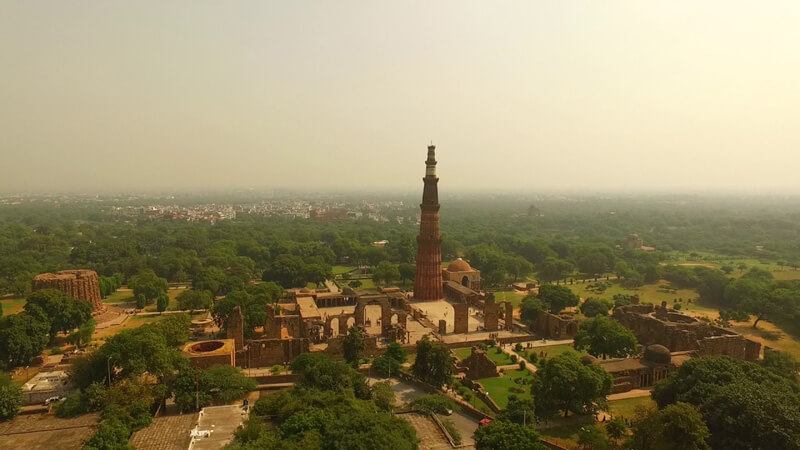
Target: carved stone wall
[(80, 284), (235, 327), (491, 313), (556, 326), (679, 332), (460, 318), (269, 352)]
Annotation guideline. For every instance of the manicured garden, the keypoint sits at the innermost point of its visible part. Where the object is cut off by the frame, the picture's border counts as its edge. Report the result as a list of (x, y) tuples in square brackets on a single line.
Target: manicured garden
[(509, 382)]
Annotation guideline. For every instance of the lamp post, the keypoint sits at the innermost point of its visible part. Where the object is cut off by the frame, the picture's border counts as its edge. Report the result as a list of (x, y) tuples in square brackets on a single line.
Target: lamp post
[(108, 366)]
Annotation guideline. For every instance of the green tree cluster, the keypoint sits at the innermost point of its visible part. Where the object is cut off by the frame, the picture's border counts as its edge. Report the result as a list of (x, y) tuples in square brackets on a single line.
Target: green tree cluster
[(434, 363)]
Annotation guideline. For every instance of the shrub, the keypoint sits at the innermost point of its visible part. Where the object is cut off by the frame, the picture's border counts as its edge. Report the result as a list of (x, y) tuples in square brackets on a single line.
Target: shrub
[(452, 430), (514, 359), (522, 364), (435, 403), (518, 347)]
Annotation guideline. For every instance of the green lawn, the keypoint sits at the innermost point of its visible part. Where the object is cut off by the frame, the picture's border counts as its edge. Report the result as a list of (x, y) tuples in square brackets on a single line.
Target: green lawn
[(12, 305), (509, 296), (501, 359), (627, 407), (338, 270), (555, 350), (565, 435), (499, 388), (120, 296)]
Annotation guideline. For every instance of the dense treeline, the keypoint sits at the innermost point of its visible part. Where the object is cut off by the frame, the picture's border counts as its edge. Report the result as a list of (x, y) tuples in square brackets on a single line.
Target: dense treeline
[(567, 238)]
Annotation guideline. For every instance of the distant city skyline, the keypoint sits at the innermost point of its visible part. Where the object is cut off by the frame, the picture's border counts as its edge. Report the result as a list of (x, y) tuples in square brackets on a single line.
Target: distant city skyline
[(344, 96)]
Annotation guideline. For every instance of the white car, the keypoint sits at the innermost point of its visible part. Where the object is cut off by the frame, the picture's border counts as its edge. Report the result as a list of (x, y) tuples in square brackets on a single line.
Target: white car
[(54, 399)]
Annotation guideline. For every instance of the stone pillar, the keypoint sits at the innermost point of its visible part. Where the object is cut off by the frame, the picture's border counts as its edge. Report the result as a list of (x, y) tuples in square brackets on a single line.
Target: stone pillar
[(460, 318), (490, 313), (442, 327), (509, 316), (272, 327), (235, 327)]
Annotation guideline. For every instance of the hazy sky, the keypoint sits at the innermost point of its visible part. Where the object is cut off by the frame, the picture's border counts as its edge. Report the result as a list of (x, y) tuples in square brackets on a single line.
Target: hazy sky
[(99, 95)]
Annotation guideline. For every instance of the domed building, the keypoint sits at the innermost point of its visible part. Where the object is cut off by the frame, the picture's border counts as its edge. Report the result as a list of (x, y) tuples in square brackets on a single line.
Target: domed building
[(461, 272), (654, 365)]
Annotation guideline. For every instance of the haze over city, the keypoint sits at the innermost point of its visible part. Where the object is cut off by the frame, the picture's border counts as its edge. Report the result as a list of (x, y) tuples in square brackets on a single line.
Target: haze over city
[(100, 96)]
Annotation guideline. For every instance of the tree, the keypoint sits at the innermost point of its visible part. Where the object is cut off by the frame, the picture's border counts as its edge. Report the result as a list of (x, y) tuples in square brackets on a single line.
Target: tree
[(554, 269), (64, 313), (141, 301), (782, 364), (517, 266), (503, 435), (192, 299), (591, 437), (603, 336), (519, 410), (434, 364), (23, 336), (564, 383), (110, 434), (677, 427), (383, 395), (596, 307), (435, 404), (174, 328), (385, 272), (149, 284), (743, 404), (253, 307), (557, 297), (407, 271), (287, 270), (211, 279), (83, 335), (10, 401), (317, 371), (353, 346), (162, 302), (133, 352), (616, 428), (530, 308), (390, 362)]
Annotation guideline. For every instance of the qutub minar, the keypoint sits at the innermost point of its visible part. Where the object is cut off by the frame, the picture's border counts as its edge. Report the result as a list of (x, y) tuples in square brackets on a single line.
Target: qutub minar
[(428, 277)]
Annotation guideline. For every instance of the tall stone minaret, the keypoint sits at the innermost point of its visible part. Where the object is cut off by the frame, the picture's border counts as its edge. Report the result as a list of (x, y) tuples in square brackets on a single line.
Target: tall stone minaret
[(428, 278)]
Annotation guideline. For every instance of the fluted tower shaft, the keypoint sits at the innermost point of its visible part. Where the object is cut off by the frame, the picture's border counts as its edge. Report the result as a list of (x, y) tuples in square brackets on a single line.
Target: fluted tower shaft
[(428, 277)]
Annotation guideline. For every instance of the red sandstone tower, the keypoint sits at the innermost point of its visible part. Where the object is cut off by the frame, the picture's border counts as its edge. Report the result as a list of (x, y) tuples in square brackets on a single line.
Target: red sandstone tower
[(428, 279)]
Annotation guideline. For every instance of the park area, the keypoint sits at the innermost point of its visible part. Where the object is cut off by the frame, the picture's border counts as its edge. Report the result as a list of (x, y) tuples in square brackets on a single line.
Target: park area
[(510, 382)]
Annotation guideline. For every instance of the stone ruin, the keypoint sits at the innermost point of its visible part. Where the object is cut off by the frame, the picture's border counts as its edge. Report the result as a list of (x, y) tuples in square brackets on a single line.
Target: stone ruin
[(679, 332), (80, 284), (555, 326), (477, 365)]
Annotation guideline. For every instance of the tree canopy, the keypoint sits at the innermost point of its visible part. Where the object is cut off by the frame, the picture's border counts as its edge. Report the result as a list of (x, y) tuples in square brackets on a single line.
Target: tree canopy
[(605, 337)]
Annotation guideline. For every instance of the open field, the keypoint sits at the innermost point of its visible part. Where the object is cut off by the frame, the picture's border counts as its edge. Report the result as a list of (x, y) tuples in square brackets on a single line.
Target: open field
[(499, 388), (626, 407), (133, 322), (555, 350), (509, 296), (12, 305), (337, 270)]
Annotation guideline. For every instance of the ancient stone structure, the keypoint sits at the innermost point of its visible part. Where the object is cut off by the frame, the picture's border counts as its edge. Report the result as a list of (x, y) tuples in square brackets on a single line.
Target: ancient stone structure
[(235, 327), (205, 354), (635, 373), (80, 284), (460, 318), (491, 314), (459, 271), (477, 365), (508, 317), (679, 332), (457, 293), (442, 327), (428, 277), (555, 326)]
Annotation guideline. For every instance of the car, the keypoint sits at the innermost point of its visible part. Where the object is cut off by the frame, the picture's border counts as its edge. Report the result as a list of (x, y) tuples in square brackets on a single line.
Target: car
[(54, 399)]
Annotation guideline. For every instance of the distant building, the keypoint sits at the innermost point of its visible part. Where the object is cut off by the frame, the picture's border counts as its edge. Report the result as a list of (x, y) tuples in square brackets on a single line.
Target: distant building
[(45, 385)]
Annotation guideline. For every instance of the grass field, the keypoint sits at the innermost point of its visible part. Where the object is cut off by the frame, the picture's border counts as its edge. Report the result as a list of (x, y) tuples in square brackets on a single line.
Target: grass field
[(509, 296), (12, 305), (501, 359), (338, 270), (626, 407), (499, 388), (555, 350), (133, 322), (126, 296)]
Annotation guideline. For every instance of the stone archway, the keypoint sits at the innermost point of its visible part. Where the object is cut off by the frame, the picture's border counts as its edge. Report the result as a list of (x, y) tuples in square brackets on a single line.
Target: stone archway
[(386, 312), (330, 329)]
